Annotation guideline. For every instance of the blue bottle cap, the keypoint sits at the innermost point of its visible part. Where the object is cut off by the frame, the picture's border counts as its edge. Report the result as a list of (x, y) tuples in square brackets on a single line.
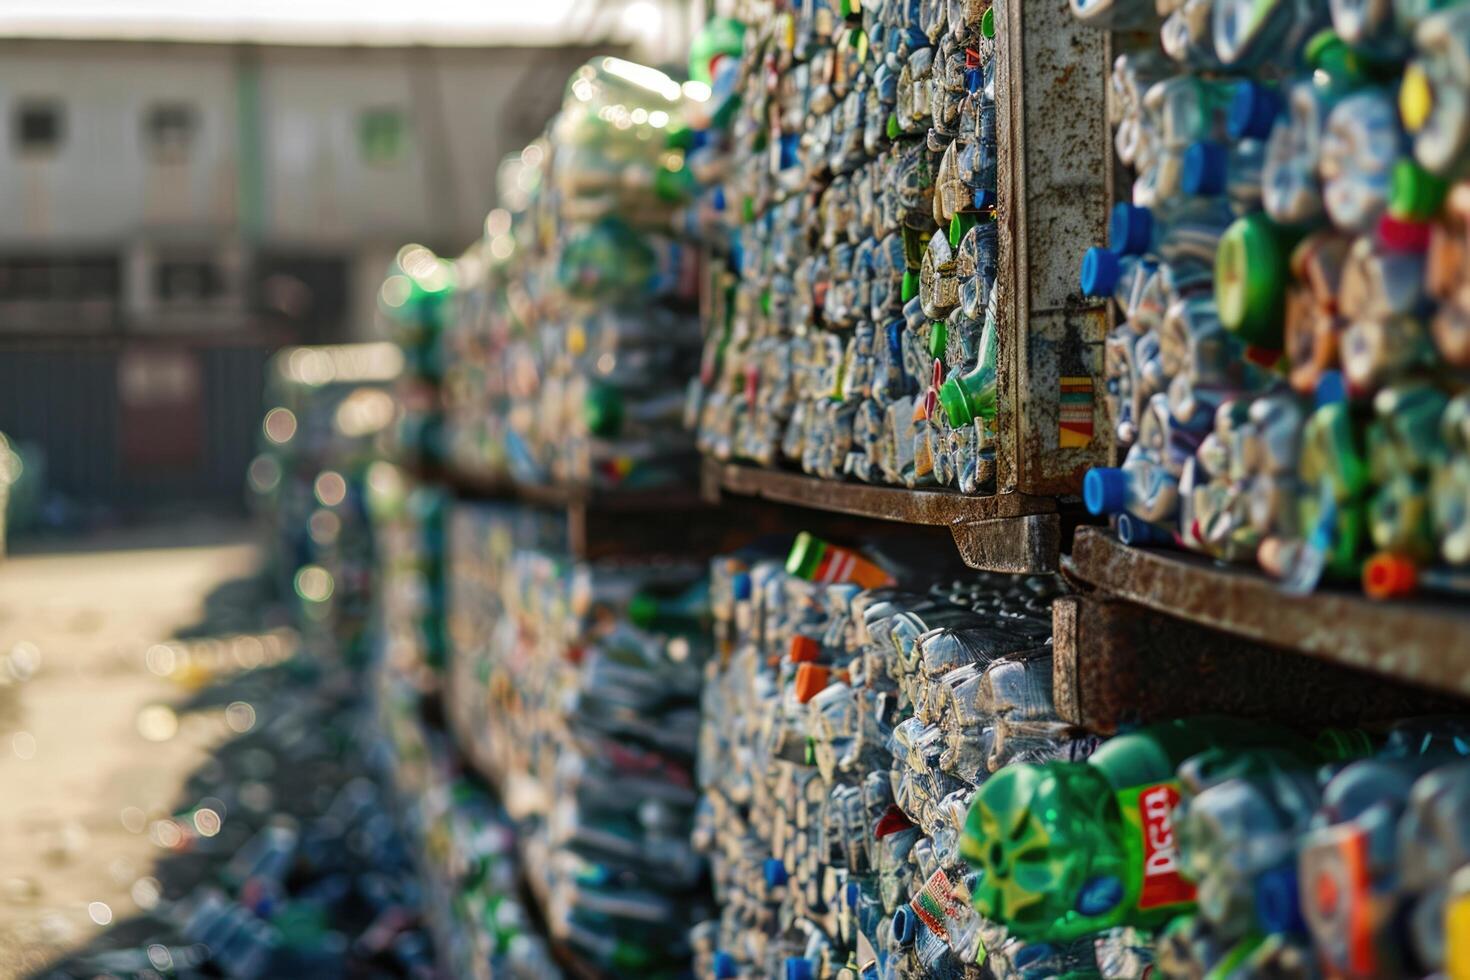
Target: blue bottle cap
[(1105, 490), (775, 872), (1278, 901), (717, 199), (790, 144), (905, 925), (894, 335), (799, 969), (1253, 111), (740, 586), (724, 966), (1100, 271), (1331, 388), (1205, 166), (1131, 229), (973, 81), (854, 894), (1138, 533)]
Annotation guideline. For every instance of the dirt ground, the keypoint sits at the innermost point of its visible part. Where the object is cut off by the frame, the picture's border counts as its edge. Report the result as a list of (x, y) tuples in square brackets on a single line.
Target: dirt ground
[(101, 641)]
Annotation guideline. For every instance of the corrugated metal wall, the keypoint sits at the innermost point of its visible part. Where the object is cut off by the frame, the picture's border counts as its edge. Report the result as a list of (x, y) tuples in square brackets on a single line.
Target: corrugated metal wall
[(66, 399)]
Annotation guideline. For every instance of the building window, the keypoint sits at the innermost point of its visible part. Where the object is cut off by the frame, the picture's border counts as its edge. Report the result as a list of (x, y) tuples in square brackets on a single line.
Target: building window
[(168, 130), (38, 127), (188, 281), (382, 136)]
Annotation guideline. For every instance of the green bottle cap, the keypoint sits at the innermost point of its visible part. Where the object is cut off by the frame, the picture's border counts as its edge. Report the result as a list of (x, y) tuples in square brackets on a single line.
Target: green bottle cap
[(1250, 280), (602, 410), (938, 338), (1416, 193), (806, 555), (643, 610), (892, 128), (910, 287), (1335, 65), (987, 23)]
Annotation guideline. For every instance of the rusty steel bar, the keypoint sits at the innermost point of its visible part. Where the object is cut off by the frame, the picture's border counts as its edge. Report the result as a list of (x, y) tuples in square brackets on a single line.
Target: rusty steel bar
[(1117, 664), (1421, 642), (1008, 532)]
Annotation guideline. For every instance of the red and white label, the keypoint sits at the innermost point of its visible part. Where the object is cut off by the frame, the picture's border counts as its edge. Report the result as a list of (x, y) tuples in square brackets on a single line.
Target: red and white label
[(836, 565), (1162, 884)]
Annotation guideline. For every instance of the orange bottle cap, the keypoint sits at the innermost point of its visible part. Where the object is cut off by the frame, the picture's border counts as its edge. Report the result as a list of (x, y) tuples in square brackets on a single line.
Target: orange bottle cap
[(1387, 575), (810, 679), (804, 649)]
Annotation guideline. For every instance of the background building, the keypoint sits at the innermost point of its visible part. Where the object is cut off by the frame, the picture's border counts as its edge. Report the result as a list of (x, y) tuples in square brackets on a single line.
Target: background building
[(180, 197)]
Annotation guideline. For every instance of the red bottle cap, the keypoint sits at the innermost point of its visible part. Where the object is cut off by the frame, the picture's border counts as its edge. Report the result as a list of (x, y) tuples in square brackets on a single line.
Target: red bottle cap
[(892, 821), (1403, 234)]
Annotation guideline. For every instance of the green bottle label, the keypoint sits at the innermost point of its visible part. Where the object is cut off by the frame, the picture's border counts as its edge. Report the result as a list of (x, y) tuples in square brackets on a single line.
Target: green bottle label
[(1148, 833)]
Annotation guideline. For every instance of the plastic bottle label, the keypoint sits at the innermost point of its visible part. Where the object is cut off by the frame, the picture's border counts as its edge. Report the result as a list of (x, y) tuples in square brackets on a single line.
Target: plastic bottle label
[(1457, 938), (1148, 812), (1339, 887), (841, 565), (936, 905)]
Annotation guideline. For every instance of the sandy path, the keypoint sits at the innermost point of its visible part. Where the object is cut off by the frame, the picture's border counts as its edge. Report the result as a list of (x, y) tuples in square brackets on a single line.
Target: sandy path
[(83, 737)]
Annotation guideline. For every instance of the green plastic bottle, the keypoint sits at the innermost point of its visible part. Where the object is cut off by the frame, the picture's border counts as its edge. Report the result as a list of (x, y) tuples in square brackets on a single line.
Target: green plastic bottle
[(1066, 849), (602, 411), (1333, 469), (966, 397), (687, 612)]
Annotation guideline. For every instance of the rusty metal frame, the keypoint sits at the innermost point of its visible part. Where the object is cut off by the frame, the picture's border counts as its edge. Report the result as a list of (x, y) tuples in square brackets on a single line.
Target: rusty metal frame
[(1054, 188), (1116, 664), (1420, 642), (599, 523), (1009, 532)]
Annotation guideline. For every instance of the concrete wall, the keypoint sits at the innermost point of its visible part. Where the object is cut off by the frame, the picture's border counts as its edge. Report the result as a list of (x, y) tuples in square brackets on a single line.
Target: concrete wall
[(466, 108)]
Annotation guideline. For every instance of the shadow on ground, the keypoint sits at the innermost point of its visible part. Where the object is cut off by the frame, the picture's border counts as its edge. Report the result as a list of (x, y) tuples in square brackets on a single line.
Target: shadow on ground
[(281, 860)]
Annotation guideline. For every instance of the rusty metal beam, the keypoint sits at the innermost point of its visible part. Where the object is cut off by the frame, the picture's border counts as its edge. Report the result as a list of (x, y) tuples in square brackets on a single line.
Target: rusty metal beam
[(1007, 532), (1419, 642), (1116, 664), (1026, 544)]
